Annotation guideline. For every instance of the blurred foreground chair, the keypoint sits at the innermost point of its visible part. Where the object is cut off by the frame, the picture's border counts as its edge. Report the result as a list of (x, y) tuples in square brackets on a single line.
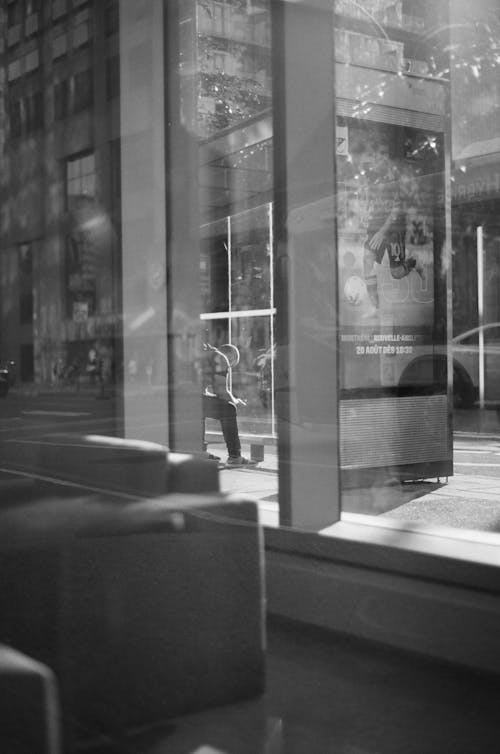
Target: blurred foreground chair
[(144, 609), (78, 462), (29, 709)]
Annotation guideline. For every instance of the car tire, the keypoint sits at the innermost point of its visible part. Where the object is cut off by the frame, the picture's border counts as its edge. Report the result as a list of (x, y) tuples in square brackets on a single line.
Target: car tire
[(464, 394)]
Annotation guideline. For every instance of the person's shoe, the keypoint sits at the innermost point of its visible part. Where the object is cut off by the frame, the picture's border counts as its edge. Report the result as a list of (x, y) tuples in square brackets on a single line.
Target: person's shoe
[(236, 462)]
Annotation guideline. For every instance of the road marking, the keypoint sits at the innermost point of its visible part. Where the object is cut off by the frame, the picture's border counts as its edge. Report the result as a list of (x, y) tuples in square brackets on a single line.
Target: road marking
[(40, 412), (469, 450), (471, 463)]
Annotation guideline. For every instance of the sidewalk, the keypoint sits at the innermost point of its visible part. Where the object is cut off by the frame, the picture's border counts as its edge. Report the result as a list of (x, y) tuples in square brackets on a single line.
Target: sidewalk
[(463, 501), (259, 482)]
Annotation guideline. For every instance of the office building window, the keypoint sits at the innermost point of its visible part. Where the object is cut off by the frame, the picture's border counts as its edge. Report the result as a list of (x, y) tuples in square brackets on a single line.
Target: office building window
[(80, 178), (59, 8), (81, 34), (14, 13), (15, 118), (14, 70), (112, 77), (83, 92), (111, 18), (82, 239), (26, 284), (31, 61), (34, 112), (61, 90), (59, 45), (32, 6)]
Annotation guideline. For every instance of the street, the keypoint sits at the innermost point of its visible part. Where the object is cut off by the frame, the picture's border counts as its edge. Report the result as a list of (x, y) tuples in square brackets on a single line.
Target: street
[(469, 499), (24, 413)]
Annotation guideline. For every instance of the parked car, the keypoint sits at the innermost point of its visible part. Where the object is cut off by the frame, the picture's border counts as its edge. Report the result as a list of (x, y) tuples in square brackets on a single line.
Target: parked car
[(422, 368), (466, 353), (466, 356)]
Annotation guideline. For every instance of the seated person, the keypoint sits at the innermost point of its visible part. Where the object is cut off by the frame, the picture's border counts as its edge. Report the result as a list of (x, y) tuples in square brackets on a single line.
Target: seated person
[(218, 400)]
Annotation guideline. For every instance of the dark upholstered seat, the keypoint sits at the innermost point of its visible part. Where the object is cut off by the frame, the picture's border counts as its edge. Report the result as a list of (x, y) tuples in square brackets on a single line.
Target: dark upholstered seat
[(143, 610), (29, 709)]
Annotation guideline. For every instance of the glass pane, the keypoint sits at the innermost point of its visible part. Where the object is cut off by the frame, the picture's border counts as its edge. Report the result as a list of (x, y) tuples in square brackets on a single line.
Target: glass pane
[(416, 233), (315, 184), (225, 64), (215, 266), (251, 283), (392, 258), (254, 377), (83, 343)]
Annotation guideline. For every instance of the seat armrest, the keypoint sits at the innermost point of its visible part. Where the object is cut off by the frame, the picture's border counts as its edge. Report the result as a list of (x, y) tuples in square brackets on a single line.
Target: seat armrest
[(29, 707), (110, 464)]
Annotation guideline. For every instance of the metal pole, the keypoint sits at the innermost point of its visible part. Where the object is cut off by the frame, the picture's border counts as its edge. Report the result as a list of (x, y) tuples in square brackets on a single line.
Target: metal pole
[(480, 310)]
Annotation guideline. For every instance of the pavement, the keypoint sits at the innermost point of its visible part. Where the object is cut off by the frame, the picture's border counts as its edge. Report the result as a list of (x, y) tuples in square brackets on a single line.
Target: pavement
[(467, 501), (259, 482)]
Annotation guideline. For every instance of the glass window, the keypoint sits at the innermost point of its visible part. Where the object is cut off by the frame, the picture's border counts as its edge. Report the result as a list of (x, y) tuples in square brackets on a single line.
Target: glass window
[(32, 61), (296, 203), (14, 70), (32, 6), (15, 118), (371, 246), (34, 112), (81, 34), (83, 91), (59, 45), (111, 17), (26, 284), (32, 20), (58, 8), (80, 174), (61, 90), (112, 77), (14, 13)]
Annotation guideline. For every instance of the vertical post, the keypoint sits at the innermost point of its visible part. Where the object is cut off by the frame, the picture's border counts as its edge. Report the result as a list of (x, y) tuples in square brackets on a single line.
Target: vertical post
[(305, 269), (272, 333), (480, 310), (142, 114), (182, 226)]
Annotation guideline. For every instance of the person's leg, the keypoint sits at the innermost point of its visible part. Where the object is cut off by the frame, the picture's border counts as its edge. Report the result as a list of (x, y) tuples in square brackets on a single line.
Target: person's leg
[(370, 275), (225, 412), (208, 411), (229, 424)]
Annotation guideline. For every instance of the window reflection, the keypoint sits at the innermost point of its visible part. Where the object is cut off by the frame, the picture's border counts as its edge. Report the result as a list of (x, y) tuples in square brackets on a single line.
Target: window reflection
[(236, 266), (97, 257)]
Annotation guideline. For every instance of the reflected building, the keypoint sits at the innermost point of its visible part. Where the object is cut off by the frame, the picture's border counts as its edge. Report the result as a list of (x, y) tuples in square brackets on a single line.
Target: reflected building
[(475, 183), (67, 274), (60, 185)]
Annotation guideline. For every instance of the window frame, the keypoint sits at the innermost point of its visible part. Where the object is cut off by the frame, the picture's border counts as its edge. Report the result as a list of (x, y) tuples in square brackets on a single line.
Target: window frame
[(431, 591), (410, 595), (82, 90)]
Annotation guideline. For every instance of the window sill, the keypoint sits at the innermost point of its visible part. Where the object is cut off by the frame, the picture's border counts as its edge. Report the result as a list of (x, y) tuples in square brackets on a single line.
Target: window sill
[(434, 592)]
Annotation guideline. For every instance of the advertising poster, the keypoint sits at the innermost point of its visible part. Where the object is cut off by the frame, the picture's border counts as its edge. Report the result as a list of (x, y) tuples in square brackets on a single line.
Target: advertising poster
[(387, 240)]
